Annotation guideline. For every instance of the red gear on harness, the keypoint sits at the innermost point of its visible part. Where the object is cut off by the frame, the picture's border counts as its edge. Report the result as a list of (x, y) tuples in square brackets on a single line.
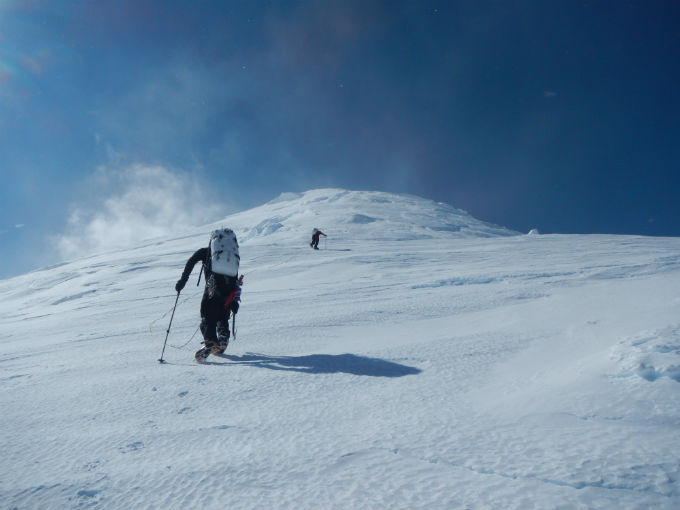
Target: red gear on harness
[(236, 293)]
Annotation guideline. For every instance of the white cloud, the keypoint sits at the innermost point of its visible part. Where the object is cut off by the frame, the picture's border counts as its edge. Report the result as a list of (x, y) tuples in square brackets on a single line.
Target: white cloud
[(130, 205)]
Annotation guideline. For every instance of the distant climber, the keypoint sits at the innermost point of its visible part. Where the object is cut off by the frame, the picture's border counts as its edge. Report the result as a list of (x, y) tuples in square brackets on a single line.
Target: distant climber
[(315, 238), (222, 289)]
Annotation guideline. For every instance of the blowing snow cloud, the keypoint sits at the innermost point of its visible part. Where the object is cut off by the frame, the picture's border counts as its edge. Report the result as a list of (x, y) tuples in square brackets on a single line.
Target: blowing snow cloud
[(133, 204)]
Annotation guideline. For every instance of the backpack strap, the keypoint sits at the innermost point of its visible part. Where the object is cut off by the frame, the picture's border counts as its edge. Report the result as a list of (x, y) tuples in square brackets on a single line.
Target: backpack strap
[(203, 265)]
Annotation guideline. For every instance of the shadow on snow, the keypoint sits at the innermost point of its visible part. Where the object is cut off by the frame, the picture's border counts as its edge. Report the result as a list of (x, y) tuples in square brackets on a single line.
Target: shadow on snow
[(326, 364)]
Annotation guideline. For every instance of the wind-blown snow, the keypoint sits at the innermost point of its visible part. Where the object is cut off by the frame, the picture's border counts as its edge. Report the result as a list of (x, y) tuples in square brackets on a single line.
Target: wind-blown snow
[(421, 359)]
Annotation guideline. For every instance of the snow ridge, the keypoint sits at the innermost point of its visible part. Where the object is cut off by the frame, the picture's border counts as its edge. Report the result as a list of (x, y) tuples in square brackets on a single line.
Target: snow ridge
[(366, 215)]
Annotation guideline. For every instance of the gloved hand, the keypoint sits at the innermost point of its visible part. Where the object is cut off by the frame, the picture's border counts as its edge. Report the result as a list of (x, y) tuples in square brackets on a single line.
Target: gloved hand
[(180, 284), (234, 307)]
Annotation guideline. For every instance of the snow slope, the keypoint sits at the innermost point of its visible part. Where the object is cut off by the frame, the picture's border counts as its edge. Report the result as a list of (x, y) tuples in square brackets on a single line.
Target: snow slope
[(422, 360)]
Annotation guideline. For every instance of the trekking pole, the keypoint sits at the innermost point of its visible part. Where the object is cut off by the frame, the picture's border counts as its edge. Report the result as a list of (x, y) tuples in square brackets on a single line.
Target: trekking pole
[(167, 333), (233, 325)]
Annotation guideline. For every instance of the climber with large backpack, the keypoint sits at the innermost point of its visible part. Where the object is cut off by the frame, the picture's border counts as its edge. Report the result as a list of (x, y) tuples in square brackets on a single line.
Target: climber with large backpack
[(222, 292)]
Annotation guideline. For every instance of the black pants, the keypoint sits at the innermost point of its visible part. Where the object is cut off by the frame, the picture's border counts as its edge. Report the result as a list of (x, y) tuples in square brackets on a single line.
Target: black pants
[(214, 320)]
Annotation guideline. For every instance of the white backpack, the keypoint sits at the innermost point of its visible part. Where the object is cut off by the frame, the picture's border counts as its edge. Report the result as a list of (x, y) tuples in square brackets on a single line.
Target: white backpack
[(224, 257)]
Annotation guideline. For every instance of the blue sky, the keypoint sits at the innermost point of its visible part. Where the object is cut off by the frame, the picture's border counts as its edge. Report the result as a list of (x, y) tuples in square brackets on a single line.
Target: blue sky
[(120, 120)]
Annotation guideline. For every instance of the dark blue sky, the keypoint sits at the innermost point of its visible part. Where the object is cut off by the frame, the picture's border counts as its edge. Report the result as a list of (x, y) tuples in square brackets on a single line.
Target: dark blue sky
[(562, 116)]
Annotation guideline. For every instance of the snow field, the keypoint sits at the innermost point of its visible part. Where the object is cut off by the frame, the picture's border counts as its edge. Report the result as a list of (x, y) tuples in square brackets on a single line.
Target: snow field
[(423, 360)]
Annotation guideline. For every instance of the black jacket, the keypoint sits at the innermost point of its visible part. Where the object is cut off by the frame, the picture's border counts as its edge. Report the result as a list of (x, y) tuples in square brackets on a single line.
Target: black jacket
[(217, 286), (202, 254)]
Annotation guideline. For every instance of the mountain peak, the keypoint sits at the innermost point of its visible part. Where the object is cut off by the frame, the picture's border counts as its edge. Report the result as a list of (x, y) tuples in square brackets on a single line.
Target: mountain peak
[(350, 215)]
